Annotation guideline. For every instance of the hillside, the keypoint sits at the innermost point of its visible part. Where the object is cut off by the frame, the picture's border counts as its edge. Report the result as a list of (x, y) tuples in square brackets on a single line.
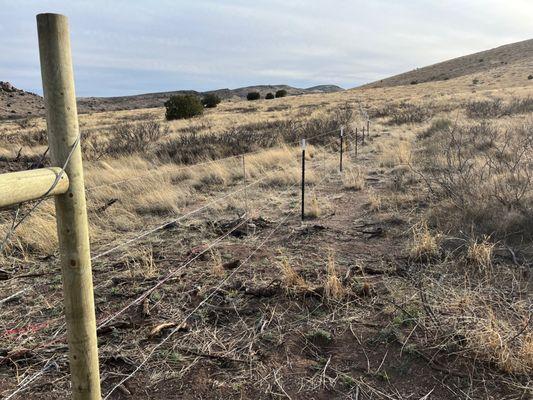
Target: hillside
[(17, 103), (515, 59)]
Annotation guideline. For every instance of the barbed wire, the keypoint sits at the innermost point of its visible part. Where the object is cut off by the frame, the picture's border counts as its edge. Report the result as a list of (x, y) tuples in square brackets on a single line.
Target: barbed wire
[(174, 220), (179, 326), (212, 293), (138, 300), (23, 385), (207, 248), (27, 381), (171, 274), (39, 201), (203, 163)]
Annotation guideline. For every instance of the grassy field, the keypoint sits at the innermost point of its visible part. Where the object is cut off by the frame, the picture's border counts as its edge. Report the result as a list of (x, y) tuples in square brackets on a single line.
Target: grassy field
[(410, 278)]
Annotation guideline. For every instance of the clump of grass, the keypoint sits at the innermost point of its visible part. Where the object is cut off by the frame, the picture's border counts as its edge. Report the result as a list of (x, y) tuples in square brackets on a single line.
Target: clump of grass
[(291, 279), (374, 201), (397, 152), (216, 264), (333, 288), (481, 315), (215, 174), (487, 341), (312, 209), (37, 235), (353, 179), (140, 262), (480, 253), (162, 202), (424, 245)]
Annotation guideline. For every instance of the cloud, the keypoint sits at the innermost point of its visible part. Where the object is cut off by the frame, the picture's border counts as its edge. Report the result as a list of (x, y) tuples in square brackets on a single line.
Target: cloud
[(136, 46)]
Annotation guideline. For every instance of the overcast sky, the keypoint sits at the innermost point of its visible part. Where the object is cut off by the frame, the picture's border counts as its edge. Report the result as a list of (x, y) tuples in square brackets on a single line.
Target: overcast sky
[(128, 47)]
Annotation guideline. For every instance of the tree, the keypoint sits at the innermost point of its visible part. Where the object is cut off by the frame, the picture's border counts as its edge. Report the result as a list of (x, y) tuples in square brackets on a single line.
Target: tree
[(253, 96), (211, 100), (281, 93), (269, 96), (183, 106)]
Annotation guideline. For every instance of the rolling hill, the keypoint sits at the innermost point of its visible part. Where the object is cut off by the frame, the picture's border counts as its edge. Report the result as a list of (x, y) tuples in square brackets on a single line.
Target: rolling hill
[(17, 103), (511, 60)]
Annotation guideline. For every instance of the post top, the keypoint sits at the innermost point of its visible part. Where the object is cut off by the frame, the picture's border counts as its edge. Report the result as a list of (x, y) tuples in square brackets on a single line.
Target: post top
[(42, 16)]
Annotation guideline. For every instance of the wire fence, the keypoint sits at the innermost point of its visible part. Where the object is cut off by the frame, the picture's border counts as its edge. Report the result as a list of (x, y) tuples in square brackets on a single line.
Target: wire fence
[(59, 334)]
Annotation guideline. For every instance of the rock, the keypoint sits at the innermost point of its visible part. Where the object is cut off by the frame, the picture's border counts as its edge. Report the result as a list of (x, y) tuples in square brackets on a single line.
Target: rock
[(7, 87)]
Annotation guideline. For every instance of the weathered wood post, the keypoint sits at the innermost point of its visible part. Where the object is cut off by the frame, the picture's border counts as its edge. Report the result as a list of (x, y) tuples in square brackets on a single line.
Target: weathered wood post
[(71, 212)]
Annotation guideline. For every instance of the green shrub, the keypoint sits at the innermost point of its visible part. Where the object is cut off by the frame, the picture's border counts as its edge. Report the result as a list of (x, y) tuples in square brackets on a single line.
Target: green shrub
[(269, 96), (281, 93), (253, 96), (183, 106), (530, 77), (211, 100)]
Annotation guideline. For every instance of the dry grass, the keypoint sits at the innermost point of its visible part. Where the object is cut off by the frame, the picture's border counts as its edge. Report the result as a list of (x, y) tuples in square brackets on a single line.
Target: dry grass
[(312, 208), (394, 153), (480, 254), (494, 325), (291, 279), (140, 263), (425, 244), (216, 264), (333, 288), (374, 201), (37, 236), (353, 178)]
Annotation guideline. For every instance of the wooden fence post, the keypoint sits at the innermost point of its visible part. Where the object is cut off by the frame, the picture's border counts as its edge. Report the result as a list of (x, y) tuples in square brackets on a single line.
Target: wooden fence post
[(71, 212)]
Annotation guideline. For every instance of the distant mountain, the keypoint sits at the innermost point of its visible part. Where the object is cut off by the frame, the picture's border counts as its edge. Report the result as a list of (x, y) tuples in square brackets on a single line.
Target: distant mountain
[(325, 89), (16, 103), (517, 57)]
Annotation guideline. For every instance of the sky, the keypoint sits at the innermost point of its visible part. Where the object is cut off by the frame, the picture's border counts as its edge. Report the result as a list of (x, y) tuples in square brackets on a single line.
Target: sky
[(129, 47)]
